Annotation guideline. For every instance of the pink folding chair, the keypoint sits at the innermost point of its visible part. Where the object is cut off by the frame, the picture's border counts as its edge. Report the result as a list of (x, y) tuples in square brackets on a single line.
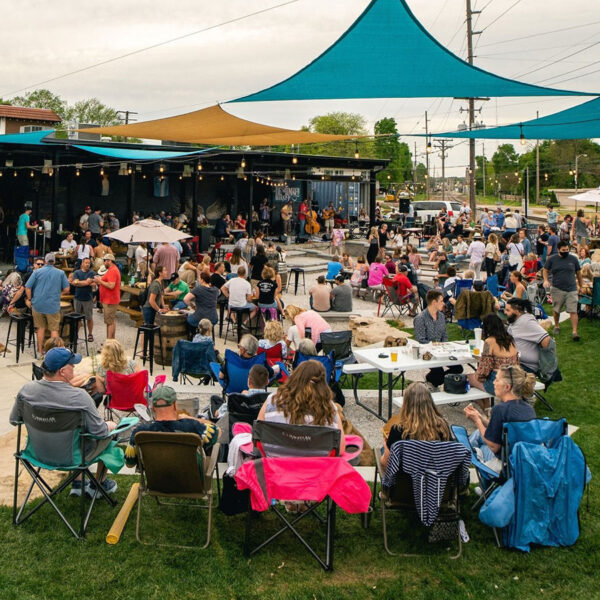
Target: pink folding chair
[(125, 391)]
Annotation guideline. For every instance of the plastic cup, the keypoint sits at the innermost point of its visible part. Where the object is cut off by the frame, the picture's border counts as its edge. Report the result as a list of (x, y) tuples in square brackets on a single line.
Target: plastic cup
[(394, 355)]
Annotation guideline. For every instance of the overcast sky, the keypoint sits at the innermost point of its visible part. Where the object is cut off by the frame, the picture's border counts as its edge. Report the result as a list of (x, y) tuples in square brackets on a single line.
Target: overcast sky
[(42, 40)]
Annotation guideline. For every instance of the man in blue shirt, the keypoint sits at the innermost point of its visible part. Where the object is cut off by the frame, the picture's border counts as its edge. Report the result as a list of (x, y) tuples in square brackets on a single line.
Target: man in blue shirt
[(334, 268), (23, 226), (83, 281), (553, 240), (499, 218), (524, 241), (552, 216), (43, 289)]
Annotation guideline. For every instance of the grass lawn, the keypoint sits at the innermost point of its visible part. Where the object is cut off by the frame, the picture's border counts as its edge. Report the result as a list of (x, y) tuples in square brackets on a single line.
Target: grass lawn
[(40, 560)]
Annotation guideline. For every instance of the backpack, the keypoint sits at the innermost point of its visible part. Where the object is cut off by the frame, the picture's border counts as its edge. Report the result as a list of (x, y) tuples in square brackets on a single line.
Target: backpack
[(548, 362)]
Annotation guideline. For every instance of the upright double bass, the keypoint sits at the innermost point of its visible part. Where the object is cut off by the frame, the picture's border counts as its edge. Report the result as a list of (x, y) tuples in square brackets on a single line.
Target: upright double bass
[(311, 226)]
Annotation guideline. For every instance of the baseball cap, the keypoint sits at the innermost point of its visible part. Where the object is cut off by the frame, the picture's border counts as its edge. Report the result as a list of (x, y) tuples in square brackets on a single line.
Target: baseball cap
[(163, 395), (339, 278), (174, 276), (108, 257), (87, 208), (57, 358), (49, 258)]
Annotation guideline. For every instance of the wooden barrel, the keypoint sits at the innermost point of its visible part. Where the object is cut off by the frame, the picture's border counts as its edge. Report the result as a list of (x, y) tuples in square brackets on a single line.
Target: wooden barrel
[(173, 327)]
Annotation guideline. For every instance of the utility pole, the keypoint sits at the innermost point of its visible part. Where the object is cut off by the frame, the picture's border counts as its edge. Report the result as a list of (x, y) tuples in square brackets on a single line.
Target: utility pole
[(415, 171), (470, 34), (537, 166), (442, 146), (483, 168), (126, 117), (427, 152)]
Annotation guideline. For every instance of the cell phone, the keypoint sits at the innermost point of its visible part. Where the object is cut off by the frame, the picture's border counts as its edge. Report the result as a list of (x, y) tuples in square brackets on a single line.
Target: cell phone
[(382, 355)]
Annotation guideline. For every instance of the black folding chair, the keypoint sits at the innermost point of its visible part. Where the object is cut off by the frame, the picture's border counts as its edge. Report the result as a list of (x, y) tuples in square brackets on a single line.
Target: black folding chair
[(283, 440), (55, 442)]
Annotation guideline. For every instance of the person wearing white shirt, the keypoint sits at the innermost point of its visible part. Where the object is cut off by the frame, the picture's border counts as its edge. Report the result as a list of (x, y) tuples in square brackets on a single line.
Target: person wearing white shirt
[(68, 244), (140, 257), (460, 249), (239, 292), (476, 252), (465, 209)]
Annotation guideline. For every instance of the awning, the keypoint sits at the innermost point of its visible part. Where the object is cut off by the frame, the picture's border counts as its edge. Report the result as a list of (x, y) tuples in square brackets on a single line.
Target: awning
[(215, 126), (134, 154), (33, 138), (580, 122), (387, 53)]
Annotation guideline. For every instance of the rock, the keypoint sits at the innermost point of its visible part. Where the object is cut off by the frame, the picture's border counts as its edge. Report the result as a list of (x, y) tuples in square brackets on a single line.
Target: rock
[(370, 330)]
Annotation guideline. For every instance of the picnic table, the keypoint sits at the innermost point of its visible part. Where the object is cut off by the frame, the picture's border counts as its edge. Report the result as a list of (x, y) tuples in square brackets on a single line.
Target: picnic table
[(445, 355)]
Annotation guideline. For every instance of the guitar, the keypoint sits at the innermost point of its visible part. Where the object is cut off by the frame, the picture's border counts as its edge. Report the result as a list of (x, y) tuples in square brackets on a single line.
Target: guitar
[(311, 227), (286, 213)]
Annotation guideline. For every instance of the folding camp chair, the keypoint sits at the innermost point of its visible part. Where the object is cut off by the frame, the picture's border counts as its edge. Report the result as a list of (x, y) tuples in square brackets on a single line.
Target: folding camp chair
[(192, 360), (401, 496), (235, 370), (392, 300), (328, 362), (493, 286), (339, 345), (125, 391), (174, 466), (274, 356), (593, 301), (56, 442), (280, 439)]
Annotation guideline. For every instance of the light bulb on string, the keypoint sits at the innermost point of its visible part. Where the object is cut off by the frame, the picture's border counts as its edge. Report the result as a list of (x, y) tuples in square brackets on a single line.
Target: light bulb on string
[(243, 163), (522, 137), (356, 152), (294, 160), (77, 173), (161, 168), (31, 174), (222, 178), (101, 171), (199, 166)]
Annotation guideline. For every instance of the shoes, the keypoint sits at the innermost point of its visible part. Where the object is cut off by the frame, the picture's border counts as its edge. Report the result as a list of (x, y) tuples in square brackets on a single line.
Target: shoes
[(76, 488), (109, 486), (556, 330), (576, 337)]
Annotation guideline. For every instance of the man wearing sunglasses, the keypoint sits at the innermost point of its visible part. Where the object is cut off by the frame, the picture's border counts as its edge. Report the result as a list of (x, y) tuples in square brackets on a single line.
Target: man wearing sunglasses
[(43, 289), (54, 390), (19, 302)]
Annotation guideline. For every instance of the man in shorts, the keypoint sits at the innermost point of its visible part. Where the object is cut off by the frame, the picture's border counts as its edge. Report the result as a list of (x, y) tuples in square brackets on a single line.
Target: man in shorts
[(83, 281), (110, 294), (43, 289), (566, 283)]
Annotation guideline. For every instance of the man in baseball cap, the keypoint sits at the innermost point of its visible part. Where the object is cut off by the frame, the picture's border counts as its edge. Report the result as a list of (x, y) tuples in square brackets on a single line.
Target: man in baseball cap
[(54, 390), (168, 419)]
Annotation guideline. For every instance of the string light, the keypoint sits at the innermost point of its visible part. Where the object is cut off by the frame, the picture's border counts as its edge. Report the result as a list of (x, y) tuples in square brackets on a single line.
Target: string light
[(31, 174), (243, 163), (180, 177), (143, 175), (356, 152), (14, 174), (161, 168), (77, 173), (101, 171), (294, 160), (1, 174), (522, 137), (429, 148), (222, 178), (200, 177), (199, 166), (130, 170)]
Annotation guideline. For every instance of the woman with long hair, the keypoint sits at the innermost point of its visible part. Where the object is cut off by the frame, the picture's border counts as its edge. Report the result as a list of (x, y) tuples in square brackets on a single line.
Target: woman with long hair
[(237, 261), (302, 320), (419, 419), (492, 254), (113, 358), (304, 399), (499, 350), (373, 250), (512, 387), (155, 301)]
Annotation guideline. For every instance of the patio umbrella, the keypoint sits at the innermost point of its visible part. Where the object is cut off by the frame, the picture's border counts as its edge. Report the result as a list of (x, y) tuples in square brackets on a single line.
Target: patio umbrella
[(589, 197), (149, 231)]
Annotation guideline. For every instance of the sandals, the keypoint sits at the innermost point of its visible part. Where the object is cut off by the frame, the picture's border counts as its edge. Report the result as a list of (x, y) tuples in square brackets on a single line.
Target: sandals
[(90, 338)]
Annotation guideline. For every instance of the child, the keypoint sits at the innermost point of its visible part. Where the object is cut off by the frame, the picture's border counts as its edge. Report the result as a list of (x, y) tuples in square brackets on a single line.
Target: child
[(273, 335)]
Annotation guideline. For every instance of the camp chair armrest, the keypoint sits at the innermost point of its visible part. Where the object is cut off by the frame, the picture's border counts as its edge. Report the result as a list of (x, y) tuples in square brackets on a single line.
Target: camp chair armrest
[(215, 368), (211, 463), (125, 424)]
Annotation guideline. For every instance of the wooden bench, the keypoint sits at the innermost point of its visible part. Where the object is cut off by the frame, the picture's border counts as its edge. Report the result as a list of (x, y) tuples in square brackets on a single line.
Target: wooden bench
[(136, 315), (474, 394)]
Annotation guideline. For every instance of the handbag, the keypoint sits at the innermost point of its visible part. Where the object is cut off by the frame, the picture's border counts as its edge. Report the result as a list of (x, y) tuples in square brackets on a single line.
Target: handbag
[(455, 383), (499, 508), (233, 501)]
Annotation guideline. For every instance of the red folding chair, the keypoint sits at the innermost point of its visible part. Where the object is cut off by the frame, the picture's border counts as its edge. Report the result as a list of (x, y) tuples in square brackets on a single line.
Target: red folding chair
[(274, 355), (125, 391), (392, 300)]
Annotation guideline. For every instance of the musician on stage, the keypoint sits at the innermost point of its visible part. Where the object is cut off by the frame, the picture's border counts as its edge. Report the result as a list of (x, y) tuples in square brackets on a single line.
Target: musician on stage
[(328, 215), (286, 217), (302, 210)]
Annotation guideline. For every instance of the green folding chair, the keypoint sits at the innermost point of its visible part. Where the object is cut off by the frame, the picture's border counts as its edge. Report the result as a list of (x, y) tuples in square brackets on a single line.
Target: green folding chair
[(56, 441)]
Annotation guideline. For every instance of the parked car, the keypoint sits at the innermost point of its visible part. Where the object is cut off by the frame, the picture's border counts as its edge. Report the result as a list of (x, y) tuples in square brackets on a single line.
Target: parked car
[(427, 209)]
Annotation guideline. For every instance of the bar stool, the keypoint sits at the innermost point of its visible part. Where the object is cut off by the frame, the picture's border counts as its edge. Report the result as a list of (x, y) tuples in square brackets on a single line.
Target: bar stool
[(240, 314), (147, 352), (21, 321), (73, 319), (296, 271), (222, 303)]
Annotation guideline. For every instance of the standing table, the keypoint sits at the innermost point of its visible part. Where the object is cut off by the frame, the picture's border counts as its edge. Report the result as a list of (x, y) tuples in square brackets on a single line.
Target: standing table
[(380, 358)]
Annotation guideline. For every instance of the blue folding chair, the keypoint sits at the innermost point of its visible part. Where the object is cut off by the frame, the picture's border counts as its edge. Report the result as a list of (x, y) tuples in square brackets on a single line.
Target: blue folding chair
[(462, 284), (193, 359), (235, 370), (493, 287), (331, 373)]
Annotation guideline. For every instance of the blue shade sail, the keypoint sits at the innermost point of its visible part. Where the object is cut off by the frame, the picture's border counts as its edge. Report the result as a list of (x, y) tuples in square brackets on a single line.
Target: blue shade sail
[(33, 138), (387, 53), (134, 154), (577, 123)]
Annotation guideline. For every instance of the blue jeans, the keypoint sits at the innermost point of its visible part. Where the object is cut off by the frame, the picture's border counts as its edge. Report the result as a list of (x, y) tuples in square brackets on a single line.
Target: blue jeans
[(476, 440), (488, 384), (149, 315), (179, 305)]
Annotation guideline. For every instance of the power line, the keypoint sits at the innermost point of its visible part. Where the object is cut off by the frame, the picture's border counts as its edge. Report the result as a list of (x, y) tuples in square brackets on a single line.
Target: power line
[(501, 15), (570, 71), (576, 77), (157, 45), (526, 37)]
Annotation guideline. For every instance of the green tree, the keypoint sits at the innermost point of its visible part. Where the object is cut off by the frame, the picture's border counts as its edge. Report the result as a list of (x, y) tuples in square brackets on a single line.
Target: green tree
[(479, 173), (506, 165), (339, 123), (387, 145), (43, 99), (93, 111)]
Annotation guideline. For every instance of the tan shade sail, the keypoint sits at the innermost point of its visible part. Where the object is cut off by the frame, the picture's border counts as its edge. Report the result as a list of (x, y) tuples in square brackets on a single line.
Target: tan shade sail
[(215, 126)]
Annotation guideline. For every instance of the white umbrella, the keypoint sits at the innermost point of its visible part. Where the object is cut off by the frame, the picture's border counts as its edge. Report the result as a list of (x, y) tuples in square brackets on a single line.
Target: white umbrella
[(148, 230), (589, 197)]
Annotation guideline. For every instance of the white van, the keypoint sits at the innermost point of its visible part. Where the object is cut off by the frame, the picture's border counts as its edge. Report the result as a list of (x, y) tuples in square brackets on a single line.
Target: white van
[(427, 209)]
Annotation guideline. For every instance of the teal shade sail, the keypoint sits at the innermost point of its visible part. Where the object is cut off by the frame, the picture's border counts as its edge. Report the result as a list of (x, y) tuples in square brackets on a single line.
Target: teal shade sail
[(387, 53), (576, 123), (33, 138), (134, 154)]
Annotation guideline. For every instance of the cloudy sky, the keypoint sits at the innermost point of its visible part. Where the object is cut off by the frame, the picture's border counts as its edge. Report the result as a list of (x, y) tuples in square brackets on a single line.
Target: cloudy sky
[(45, 40)]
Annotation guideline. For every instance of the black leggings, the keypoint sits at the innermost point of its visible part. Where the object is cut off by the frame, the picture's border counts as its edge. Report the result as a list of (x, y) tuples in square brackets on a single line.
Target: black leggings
[(490, 266)]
